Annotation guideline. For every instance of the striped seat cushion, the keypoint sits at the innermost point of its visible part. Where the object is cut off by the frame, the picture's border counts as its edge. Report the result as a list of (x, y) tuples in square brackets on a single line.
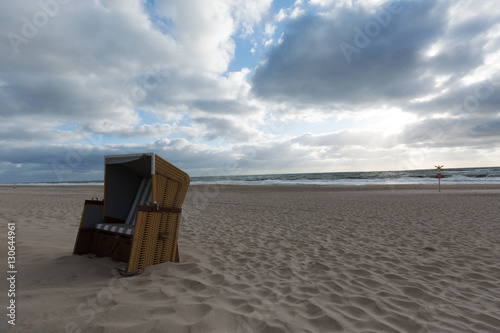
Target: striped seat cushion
[(142, 197), (116, 227)]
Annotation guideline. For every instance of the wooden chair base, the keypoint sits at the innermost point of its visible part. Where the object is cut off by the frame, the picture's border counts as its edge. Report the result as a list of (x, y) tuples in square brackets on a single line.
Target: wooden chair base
[(107, 244)]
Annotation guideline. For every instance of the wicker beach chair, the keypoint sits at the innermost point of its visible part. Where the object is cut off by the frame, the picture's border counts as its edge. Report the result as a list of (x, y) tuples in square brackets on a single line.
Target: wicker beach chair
[(137, 223)]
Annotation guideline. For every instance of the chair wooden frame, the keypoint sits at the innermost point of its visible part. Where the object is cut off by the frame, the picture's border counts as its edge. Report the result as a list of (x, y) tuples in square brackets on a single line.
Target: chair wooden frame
[(155, 224)]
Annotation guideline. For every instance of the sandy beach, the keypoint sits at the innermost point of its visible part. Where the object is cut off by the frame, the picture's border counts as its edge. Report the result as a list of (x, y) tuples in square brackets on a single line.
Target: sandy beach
[(268, 259)]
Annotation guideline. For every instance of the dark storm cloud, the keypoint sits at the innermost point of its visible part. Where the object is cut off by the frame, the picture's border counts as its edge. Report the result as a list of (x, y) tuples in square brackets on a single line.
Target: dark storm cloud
[(453, 132), (85, 162), (460, 100), (271, 156), (357, 58)]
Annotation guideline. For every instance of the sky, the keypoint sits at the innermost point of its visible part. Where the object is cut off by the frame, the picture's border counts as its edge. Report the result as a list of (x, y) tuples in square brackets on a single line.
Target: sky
[(229, 87)]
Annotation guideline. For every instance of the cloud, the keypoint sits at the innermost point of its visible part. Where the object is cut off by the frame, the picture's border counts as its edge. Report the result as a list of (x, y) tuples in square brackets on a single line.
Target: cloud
[(95, 64), (310, 67), (228, 129), (471, 132), (333, 88), (462, 99), (142, 131), (348, 138), (354, 57), (20, 135), (75, 66)]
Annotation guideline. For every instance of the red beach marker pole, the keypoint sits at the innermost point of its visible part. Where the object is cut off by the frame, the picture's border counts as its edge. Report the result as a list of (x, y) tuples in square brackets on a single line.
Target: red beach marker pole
[(439, 175)]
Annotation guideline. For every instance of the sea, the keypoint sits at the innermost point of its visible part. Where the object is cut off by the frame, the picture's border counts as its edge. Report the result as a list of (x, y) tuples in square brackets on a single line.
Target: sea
[(490, 175), (449, 176)]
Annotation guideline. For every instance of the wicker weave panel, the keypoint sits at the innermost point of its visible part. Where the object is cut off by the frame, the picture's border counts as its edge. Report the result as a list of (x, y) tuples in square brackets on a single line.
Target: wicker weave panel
[(149, 240), (170, 186), (160, 244), (172, 194), (135, 253), (174, 226), (148, 248), (169, 192), (174, 174), (160, 184), (165, 246), (164, 168)]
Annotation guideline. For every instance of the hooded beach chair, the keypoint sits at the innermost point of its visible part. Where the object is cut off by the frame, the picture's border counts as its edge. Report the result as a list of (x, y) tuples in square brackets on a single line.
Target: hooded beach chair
[(137, 223)]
